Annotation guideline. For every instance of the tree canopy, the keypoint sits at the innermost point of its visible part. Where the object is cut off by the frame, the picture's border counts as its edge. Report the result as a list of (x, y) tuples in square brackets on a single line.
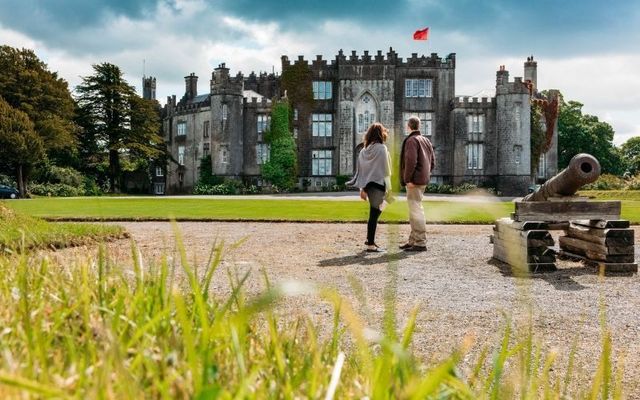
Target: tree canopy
[(584, 133), (20, 146), (27, 85)]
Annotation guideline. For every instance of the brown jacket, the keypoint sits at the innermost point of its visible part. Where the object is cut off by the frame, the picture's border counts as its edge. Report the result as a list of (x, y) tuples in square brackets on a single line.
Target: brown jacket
[(416, 160)]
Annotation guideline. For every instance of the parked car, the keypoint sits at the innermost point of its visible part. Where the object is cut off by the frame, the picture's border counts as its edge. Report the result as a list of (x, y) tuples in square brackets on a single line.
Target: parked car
[(8, 192)]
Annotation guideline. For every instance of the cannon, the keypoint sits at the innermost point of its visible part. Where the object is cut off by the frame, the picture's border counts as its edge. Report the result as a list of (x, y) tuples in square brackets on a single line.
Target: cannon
[(582, 170), (593, 230)]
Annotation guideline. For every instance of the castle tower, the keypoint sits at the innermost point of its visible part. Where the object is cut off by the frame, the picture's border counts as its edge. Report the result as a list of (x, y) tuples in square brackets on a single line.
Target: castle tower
[(531, 72), (226, 123), (191, 86), (149, 88), (513, 130)]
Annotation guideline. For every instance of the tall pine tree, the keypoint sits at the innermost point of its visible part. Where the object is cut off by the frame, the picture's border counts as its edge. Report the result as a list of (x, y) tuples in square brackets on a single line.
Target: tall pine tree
[(117, 122)]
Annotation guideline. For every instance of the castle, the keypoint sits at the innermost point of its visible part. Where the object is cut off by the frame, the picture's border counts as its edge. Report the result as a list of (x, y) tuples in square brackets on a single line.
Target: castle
[(485, 141)]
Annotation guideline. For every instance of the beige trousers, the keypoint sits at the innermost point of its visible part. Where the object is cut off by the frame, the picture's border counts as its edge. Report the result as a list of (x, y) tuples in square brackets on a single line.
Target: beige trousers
[(418, 236)]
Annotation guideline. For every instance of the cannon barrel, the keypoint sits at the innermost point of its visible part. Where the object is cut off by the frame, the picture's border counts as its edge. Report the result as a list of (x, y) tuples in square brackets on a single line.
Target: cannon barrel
[(582, 169)]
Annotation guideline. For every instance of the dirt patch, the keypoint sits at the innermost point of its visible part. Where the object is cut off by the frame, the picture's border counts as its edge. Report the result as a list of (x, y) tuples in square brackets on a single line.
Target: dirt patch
[(460, 289)]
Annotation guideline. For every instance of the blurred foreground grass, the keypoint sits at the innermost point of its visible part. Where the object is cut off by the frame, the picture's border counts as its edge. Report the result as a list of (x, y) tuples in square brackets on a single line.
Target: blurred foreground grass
[(93, 329)]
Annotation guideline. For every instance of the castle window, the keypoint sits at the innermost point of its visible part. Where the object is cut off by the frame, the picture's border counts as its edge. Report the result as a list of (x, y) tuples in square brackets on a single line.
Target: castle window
[(159, 171), (262, 125), (321, 161), (295, 114), (366, 119), (262, 153), (475, 123), (225, 112), (206, 149), (182, 128), (322, 90), (321, 125), (181, 150), (418, 87), (295, 132), (475, 155), (426, 121), (159, 188), (518, 154), (542, 166), (224, 154), (205, 129)]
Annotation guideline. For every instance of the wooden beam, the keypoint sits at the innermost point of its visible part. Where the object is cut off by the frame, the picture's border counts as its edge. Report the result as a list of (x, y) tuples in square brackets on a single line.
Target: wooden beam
[(566, 211), (617, 223), (595, 247)]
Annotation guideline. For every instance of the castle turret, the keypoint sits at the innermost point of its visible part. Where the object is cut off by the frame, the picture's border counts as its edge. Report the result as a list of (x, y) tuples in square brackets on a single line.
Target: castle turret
[(531, 72), (226, 123), (513, 115), (191, 86), (149, 88)]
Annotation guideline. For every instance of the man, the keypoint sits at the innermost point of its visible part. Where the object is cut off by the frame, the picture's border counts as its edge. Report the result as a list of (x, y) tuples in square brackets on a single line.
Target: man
[(416, 163)]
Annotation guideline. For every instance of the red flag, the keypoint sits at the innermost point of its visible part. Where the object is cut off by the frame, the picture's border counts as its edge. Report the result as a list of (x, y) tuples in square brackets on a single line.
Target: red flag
[(421, 34)]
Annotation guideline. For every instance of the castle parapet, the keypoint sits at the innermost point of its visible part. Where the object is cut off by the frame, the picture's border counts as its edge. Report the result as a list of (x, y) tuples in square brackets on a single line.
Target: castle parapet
[(473, 102)]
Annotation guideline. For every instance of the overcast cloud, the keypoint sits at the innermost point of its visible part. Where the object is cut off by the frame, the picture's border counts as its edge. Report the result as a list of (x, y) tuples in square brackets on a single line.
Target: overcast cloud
[(587, 49)]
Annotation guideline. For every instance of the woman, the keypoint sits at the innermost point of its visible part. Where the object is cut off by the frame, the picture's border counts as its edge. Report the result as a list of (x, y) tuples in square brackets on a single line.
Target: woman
[(373, 177)]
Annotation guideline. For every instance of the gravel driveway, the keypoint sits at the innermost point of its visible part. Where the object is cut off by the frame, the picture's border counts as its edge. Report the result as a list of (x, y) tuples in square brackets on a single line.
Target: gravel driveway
[(460, 289)]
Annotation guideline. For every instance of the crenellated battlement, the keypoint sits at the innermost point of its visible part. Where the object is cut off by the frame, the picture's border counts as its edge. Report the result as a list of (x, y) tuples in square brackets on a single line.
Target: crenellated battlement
[(253, 102), (391, 58), (473, 102)]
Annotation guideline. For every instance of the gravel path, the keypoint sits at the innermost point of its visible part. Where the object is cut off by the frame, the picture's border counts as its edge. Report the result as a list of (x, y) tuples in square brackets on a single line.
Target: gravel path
[(462, 292)]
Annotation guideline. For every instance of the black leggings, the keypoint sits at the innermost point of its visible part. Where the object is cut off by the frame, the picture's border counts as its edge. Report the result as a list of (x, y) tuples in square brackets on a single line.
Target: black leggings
[(375, 193)]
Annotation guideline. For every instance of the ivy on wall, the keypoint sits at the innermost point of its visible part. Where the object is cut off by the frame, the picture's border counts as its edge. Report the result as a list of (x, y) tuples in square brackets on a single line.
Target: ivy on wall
[(281, 168), (296, 82)]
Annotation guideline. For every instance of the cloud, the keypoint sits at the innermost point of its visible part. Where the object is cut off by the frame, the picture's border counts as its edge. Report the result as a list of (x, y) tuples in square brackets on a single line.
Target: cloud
[(586, 50)]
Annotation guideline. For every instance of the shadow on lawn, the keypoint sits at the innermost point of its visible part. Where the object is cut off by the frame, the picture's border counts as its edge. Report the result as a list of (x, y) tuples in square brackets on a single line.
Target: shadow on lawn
[(363, 258)]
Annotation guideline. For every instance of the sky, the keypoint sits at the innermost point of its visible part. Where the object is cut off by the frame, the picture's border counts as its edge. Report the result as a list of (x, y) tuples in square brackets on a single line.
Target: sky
[(590, 50)]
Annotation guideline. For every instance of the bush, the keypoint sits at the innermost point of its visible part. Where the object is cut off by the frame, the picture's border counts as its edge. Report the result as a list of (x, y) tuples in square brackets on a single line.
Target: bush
[(229, 187), (56, 190), (91, 187), (607, 182), (7, 180), (64, 175), (464, 188)]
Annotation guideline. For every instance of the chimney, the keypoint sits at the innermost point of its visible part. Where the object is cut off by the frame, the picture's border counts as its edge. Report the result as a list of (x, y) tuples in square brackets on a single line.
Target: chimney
[(191, 86), (531, 72), (502, 76)]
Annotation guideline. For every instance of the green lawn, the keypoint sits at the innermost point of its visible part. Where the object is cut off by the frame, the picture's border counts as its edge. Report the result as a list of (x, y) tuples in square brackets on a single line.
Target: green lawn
[(211, 209), (101, 208), (18, 230)]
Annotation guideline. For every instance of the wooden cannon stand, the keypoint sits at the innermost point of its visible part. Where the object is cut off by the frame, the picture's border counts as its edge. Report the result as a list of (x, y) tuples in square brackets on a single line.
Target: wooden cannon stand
[(593, 234)]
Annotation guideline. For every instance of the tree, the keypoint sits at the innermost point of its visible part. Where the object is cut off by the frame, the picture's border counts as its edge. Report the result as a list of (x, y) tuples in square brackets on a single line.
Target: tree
[(281, 168), (631, 155), (20, 146), (583, 133), (27, 85), (117, 122)]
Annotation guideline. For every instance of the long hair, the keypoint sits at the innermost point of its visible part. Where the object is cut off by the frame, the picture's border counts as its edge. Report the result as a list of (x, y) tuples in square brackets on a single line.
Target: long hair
[(377, 133)]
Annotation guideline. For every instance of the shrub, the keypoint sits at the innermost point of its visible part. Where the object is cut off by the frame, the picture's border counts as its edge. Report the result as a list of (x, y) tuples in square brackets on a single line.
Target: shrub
[(7, 180), (464, 188), (607, 182), (56, 190), (228, 187)]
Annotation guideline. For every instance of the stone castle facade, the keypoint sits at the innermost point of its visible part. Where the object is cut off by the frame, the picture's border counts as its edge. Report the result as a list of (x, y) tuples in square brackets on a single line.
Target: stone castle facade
[(485, 141)]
